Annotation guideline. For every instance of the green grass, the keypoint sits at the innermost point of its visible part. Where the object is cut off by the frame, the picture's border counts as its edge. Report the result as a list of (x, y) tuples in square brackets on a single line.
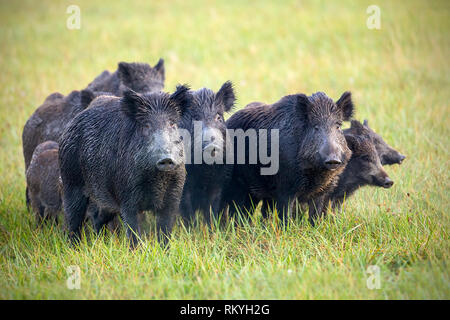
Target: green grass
[(399, 75)]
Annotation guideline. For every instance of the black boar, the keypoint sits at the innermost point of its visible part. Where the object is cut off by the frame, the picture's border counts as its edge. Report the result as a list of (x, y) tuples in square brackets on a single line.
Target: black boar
[(388, 155), (139, 77), (125, 155), (204, 180), (312, 151), (43, 185)]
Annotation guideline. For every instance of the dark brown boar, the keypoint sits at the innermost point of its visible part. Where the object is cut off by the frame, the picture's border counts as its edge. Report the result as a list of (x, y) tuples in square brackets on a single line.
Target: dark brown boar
[(43, 182)]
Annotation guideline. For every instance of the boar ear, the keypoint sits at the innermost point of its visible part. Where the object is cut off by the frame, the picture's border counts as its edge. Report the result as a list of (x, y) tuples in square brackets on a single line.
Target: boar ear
[(86, 97), (346, 105), (366, 123), (226, 96), (352, 142), (132, 103), (159, 67), (304, 105), (182, 98), (124, 72), (355, 124)]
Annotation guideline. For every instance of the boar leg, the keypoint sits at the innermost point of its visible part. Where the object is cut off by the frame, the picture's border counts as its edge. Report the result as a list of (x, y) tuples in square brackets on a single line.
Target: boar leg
[(283, 207), (129, 216), (216, 206), (316, 206), (164, 224), (211, 207), (27, 198), (187, 212), (100, 217), (75, 205)]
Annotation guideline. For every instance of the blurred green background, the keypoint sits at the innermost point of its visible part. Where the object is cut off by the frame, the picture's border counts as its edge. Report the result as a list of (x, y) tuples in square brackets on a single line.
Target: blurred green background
[(399, 76)]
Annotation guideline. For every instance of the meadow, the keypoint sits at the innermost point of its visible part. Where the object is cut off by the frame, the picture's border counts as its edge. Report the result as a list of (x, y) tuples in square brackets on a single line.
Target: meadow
[(399, 76)]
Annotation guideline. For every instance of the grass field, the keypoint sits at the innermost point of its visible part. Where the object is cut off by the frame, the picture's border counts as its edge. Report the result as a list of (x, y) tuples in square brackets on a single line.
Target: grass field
[(399, 76)]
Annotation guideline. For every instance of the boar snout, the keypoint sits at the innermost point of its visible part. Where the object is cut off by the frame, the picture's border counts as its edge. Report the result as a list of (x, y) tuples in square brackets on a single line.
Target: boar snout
[(387, 183), (332, 163), (383, 180), (212, 140), (393, 157), (331, 155), (166, 164)]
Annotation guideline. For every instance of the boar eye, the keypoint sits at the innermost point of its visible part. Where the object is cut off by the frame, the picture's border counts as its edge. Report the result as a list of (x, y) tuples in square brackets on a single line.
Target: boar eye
[(316, 127), (339, 125), (365, 158), (218, 117)]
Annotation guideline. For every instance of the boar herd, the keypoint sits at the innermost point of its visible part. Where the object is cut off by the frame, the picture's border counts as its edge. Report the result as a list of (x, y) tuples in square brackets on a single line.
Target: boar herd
[(123, 146)]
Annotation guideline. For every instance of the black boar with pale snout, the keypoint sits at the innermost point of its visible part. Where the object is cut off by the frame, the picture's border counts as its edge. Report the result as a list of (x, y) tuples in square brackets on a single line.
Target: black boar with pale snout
[(206, 126), (125, 155), (312, 152)]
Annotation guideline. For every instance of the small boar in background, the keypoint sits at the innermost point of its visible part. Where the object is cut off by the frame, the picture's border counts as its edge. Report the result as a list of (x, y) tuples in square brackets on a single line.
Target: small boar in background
[(44, 190), (204, 181), (388, 155), (140, 77), (126, 155)]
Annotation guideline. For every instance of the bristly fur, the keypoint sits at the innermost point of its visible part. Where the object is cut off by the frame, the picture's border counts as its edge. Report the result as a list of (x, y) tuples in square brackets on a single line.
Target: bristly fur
[(140, 106), (108, 160), (388, 155)]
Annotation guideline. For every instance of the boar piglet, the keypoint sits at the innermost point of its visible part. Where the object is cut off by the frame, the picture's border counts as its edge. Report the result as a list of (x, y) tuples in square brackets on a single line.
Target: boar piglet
[(312, 151), (126, 156), (43, 186), (207, 172), (139, 77)]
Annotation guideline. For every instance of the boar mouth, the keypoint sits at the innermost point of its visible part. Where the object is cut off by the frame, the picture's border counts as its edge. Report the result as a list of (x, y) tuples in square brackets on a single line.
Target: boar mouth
[(332, 164)]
